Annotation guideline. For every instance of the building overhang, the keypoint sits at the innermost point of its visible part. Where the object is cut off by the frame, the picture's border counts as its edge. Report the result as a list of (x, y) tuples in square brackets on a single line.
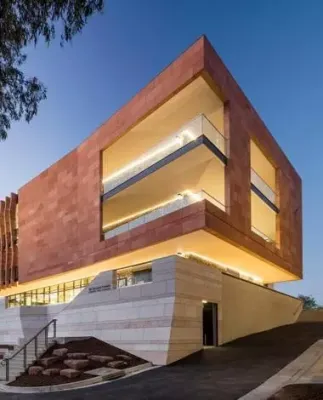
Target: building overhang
[(199, 244)]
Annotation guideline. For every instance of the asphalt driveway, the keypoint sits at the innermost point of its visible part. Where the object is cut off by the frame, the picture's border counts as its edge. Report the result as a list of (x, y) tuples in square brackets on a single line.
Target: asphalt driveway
[(223, 373)]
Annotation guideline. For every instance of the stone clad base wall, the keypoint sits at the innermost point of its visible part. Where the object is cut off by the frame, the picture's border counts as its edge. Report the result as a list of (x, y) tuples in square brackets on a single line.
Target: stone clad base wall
[(311, 316), (160, 321), (248, 308), (21, 323)]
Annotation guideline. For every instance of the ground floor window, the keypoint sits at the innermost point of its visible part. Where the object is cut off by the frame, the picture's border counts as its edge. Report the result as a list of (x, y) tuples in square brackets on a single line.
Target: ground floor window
[(55, 294), (134, 275)]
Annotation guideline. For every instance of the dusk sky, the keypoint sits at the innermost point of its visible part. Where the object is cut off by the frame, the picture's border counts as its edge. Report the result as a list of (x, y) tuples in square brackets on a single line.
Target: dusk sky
[(273, 48)]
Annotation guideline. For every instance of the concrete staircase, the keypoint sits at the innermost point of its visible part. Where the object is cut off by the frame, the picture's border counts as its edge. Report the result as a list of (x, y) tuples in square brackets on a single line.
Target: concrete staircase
[(18, 360)]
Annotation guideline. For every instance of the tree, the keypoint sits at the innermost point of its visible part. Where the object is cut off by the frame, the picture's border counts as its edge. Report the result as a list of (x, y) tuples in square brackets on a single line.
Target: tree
[(309, 302), (24, 22)]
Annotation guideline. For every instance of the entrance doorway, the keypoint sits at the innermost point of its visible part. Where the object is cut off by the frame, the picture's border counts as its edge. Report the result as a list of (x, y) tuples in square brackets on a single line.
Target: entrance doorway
[(210, 311)]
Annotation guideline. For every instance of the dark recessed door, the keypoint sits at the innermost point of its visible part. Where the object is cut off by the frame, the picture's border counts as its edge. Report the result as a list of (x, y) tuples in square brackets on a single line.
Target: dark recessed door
[(209, 324)]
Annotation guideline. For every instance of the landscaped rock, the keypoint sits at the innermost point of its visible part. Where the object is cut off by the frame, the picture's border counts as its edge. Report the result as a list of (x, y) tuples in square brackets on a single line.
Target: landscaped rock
[(51, 371), (100, 359), (70, 373), (123, 357), (35, 370), (117, 364), (60, 352), (46, 362), (77, 364), (77, 356)]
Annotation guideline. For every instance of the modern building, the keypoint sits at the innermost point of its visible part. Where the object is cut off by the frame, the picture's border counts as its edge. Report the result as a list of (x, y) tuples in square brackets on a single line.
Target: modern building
[(162, 232)]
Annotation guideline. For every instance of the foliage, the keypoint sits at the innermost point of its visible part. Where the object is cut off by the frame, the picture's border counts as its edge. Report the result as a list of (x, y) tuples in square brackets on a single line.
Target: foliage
[(24, 22), (309, 302)]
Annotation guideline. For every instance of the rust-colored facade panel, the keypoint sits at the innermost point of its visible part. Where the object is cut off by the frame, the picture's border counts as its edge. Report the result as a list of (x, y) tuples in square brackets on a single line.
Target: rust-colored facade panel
[(8, 241), (243, 124), (59, 211)]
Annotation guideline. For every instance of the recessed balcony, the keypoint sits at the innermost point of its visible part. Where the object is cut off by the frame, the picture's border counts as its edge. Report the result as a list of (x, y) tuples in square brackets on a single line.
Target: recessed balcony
[(263, 190), (199, 130), (261, 234), (175, 203), (166, 187)]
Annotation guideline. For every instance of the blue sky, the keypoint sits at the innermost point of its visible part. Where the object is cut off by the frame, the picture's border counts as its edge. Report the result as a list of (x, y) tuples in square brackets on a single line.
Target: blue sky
[(274, 49)]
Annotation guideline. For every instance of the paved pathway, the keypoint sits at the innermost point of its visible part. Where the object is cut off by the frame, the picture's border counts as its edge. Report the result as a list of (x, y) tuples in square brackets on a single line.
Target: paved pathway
[(223, 373), (307, 368)]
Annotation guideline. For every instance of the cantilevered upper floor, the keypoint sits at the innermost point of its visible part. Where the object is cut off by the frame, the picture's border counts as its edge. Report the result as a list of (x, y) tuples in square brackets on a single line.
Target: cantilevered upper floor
[(187, 167)]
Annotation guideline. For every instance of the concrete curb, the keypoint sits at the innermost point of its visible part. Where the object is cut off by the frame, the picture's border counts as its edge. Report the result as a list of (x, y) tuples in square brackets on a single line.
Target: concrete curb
[(292, 373), (75, 385)]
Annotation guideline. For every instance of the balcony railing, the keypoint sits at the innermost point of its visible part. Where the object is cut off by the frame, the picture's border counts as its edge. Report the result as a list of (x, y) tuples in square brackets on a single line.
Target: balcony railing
[(262, 186), (178, 202), (190, 132), (263, 235)]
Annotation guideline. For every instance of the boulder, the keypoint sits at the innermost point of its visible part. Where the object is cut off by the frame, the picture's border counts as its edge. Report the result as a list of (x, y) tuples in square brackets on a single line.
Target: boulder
[(77, 356), (70, 373), (60, 352), (35, 370), (117, 364), (100, 359), (77, 364), (46, 362), (124, 357), (51, 371)]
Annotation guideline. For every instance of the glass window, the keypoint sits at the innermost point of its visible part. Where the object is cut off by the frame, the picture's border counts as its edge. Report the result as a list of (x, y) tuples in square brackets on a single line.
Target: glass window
[(53, 298), (61, 297), (46, 298), (53, 289), (69, 295), (142, 276), (55, 294), (77, 284), (84, 282), (122, 281), (28, 298), (69, 286)]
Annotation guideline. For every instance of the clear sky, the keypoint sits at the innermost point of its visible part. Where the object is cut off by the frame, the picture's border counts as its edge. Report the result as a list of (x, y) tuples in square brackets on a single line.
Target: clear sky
[(273, 48)]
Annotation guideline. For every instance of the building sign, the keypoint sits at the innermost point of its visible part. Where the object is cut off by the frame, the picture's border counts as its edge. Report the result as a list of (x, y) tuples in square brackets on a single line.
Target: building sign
[(99, 288)]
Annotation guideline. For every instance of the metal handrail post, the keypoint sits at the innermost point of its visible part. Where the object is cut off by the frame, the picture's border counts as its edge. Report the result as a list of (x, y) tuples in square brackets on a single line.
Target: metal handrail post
[(54, 328), (36, 345), (7, 370), (46, 336), (25, 357)]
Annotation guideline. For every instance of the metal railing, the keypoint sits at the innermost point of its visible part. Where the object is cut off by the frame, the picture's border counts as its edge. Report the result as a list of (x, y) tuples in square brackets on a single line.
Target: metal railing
[(30, 350), (261, 234), (176, 203), (197, 127), (262, 186)]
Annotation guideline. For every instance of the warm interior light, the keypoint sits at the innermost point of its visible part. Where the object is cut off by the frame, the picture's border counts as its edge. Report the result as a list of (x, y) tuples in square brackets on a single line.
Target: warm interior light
[(141, 160), (196, 196), (178, 139), (204, 301), (222, 265), (189, 134)]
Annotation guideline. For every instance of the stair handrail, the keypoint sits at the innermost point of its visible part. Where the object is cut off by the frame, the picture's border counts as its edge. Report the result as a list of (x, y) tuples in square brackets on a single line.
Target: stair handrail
[(6, 360)]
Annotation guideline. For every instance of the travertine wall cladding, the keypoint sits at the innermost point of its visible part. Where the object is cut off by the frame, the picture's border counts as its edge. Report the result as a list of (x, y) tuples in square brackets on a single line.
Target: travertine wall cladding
[(248, 308), (59, 211), (193, 283), (21, 323), (159, 321)]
